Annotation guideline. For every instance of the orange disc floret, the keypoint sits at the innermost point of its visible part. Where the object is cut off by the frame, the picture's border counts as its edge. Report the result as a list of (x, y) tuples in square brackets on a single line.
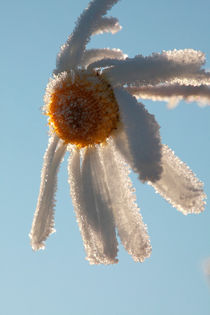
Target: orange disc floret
[(82, 108)]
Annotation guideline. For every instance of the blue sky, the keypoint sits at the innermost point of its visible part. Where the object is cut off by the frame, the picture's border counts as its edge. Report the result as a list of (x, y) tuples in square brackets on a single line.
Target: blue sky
[(59, 280)]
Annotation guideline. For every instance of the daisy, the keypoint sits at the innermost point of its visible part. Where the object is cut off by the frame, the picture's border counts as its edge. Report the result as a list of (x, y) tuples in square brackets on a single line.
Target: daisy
[(93, 112)]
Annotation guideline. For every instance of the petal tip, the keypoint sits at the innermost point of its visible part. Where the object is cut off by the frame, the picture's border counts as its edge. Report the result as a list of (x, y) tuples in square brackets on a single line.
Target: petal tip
[(37, 246)]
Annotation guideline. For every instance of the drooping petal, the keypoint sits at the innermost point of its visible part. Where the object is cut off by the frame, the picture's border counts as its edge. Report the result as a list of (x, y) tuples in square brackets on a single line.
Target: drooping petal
[(76, 189), (200, 77), (131, 229), (92, 55), (178, 185), (105, 62), (89, 21), (181, 66), (173, 92), (141, 145), (96, 198), (92, 207), (43, 222), (107, 24), (193, 57)]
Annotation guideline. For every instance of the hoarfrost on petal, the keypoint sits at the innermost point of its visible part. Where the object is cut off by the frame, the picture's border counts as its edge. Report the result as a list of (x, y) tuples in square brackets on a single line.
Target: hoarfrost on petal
[(186, 56), (43, 222), (178, 185), (92, 55), (170, 67), (91, 203), (142, 147), (173, 93), (105, 63), (131, 229), (72, 51), (107, 24)]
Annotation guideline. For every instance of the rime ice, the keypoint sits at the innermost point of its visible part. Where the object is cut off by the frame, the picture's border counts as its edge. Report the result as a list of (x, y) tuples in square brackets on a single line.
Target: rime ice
[(82, 108), (94, 114)]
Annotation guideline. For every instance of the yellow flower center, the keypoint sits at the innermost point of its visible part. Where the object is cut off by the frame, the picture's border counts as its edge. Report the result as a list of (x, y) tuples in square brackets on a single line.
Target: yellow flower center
[(82, 108)]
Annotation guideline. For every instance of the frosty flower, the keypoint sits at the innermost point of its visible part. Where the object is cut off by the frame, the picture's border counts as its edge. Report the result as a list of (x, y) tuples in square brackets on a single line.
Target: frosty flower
[(94, 114)]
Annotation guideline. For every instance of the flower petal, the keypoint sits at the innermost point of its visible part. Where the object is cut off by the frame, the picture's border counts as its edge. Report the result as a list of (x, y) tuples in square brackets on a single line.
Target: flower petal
[(76, 189), (89, 21), (107, 24), (131, 229), (92, 55), (91, 204), (178, 185), (173, 92), (141, 146), (43, 222), (105, 63), (181, 66)]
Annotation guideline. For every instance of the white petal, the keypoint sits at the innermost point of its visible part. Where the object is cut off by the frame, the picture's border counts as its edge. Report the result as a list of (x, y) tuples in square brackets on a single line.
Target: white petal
[(175, 92), (91, 203), (107, 24), (142, 147), (43, 222), (178, 185), (71, 52), (76, 188), (200, 77), (92, 55), (131, 229), (186, 56), (105, 63), (182, 66)]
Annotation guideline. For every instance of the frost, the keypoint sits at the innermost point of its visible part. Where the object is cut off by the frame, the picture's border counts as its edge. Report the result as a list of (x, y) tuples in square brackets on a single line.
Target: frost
[(91, 205), (93, 55), (179, 185), (131, 229), (166, 67), (102, 193), (173, 93), (141, 133), (89, 22), (43, 222)]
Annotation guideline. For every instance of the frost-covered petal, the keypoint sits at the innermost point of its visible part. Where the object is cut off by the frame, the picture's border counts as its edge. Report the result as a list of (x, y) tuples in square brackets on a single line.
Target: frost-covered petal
[(186, 56), (182, 66), (141, 144), (71, 52), (178, 185), (91, 203), (173, 92), (200, 77), (92, 55), (43, 222), (130, 226), (107, 24), (105, 63), (76, 189)]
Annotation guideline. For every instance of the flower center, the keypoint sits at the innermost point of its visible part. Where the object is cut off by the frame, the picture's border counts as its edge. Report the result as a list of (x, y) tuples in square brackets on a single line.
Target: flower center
[(82, 108)]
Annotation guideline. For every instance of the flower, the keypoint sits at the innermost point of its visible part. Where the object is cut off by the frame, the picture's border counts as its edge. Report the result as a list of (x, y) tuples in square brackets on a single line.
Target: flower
[(93, 112)]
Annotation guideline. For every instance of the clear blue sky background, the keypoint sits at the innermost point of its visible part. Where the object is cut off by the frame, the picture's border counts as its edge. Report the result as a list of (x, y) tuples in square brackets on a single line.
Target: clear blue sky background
[(59, 280)]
